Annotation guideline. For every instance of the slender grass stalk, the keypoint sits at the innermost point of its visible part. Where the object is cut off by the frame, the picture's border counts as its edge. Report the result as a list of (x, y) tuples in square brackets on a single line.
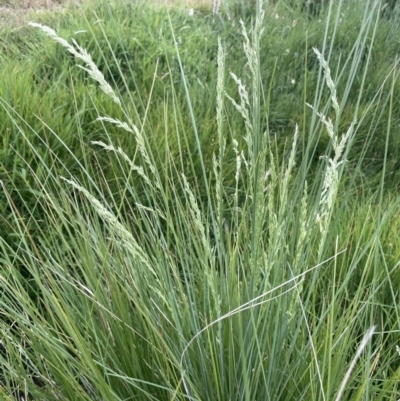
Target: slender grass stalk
[(364, 342)]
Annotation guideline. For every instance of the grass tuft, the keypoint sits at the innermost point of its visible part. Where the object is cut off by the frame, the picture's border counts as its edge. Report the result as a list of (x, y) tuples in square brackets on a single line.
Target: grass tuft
[(178, 225)]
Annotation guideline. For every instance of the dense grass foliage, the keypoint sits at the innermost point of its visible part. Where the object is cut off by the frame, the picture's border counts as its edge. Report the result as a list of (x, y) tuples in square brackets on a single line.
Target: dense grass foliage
[(200, 207)]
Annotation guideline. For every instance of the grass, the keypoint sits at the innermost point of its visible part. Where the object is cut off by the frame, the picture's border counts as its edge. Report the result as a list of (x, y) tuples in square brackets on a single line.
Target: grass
[(205, 210)]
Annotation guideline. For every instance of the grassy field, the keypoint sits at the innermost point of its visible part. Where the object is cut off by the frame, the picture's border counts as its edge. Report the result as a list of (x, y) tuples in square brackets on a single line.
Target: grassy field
[(199, 206), (17, 13)]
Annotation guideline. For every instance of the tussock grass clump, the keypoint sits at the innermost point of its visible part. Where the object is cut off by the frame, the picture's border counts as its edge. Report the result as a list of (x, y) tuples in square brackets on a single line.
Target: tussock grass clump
[(176, 268)]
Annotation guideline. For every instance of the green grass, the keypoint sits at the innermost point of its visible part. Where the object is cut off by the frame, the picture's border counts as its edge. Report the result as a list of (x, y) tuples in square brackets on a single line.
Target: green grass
[(214, 218)]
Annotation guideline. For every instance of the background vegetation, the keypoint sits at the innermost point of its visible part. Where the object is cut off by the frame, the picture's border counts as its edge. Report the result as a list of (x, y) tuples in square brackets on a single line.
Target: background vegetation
[(221, 222)]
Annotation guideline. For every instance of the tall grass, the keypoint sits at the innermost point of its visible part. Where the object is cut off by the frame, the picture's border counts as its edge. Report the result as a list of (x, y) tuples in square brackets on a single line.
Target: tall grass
[(150, 274)]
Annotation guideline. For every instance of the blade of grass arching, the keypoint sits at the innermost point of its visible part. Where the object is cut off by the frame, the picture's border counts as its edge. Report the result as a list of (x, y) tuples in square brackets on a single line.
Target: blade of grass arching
[(388, 277), (143, 121), (80, 135), (68, 319), (320, 81), (377, 262), (93, 71), (25, 239), (152, 194), (388, 129), (378, 114), (320, 86), (179, 232), (66, 297), (358, 51), (196, 134), (183, 141), (187, 263), (391, 288), (35, 151), (146, 153), (355, 58), (259, 300), (361, 314), (51, 177), (303, 130), (330, 329), (24, 313), (117, 61), (312, 345), (180, 130), (366, 339)]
